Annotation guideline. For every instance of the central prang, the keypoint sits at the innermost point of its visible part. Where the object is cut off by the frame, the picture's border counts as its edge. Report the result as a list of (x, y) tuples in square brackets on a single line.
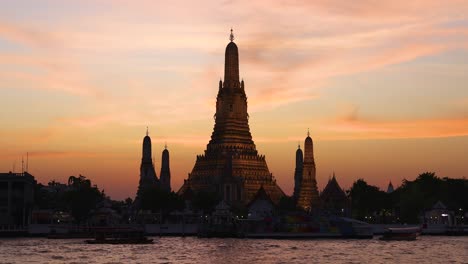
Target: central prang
[(231, 166)]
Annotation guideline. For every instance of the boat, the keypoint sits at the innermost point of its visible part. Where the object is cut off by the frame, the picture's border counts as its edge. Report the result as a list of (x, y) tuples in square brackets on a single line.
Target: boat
[(302, 226), (119, 236), (401, 234)]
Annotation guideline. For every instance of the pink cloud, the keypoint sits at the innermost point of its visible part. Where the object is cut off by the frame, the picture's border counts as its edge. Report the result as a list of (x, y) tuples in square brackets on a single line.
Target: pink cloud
[(26, 35), (353, 127)]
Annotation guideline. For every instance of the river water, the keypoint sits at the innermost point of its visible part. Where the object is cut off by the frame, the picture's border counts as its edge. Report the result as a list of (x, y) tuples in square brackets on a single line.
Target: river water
[(426, 249)]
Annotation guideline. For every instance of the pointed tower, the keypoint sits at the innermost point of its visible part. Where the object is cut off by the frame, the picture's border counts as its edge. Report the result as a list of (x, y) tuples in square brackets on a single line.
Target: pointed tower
[(390, 187), (231, 165), (148, 178), (308, 194), (165, 171), (298, 172)]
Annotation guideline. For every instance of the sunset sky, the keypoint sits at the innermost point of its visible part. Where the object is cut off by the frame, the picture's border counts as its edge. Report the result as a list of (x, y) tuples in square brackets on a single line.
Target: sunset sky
[(382, 86)]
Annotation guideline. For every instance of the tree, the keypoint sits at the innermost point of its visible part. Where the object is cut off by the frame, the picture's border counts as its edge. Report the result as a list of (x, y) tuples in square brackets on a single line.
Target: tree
[(81, 197), (158, 200), (367, 200), (414, 197)]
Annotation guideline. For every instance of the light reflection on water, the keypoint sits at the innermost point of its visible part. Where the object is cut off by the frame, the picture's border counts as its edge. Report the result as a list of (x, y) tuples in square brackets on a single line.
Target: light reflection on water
[(195, 250)]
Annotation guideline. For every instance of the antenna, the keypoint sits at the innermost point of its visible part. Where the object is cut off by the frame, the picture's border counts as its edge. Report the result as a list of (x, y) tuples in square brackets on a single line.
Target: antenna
[(14, 166), (27, 161), (22, 165)]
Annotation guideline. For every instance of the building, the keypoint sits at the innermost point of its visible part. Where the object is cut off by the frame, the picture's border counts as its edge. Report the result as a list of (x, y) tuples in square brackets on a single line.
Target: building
[(390, 187), (231, 165), (333, 199), (298, 172), (308, 198), (439, 214), (260, 206), (16, 198), (148, 177), (165, 171)]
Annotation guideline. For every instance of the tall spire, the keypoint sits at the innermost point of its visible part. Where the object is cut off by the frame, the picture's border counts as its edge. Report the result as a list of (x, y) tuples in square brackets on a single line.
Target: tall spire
[(231, 65), (231, 142), (148, 177), (146, 154), (165, 170), (308, 195)]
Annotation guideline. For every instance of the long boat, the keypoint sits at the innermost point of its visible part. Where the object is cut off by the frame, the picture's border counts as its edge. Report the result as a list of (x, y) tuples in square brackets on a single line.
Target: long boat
[(112, 235), (399, 234)]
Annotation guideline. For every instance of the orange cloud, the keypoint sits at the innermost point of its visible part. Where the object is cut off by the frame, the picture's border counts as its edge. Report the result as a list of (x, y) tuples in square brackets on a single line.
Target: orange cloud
[(355, 128), (26, 35)]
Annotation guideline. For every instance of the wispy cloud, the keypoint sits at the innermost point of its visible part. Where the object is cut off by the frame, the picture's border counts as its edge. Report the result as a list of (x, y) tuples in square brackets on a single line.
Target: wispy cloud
[(352, 126), (26, 35)]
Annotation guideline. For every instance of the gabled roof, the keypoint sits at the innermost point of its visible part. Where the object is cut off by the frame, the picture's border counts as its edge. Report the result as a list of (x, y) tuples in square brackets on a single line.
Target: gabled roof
[(260, 195), (333, 189), (439, 205)]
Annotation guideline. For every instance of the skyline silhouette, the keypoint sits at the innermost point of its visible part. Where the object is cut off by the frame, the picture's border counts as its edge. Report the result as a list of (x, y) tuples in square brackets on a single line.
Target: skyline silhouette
[(380, 87)]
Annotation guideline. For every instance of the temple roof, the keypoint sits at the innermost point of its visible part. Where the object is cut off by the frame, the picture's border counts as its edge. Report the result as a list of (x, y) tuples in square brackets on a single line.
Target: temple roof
[(261, 195), (333, 189)]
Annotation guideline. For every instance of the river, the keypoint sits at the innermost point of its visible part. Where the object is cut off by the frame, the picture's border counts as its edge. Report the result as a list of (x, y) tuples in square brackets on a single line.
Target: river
[(427, 249)]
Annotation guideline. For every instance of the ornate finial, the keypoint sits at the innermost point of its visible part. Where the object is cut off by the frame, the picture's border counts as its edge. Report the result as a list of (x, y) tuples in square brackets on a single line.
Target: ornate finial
[(308, 133), (231, 37), (146, 131)]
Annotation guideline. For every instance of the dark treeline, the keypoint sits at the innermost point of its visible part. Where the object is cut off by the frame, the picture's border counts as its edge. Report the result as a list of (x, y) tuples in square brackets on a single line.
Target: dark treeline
[(78, 197), (408, 202)]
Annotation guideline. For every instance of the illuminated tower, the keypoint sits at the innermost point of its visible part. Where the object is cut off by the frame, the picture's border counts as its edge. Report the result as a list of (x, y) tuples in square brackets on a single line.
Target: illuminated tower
[(165, 171), (308, 198), (231, 165)]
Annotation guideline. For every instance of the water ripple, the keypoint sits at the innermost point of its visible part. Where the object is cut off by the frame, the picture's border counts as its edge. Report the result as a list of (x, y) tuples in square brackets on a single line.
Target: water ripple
[(194, 250)]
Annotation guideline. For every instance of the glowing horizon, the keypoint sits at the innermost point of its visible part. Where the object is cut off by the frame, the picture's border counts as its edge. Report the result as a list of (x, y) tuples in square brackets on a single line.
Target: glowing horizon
[(382, 86)]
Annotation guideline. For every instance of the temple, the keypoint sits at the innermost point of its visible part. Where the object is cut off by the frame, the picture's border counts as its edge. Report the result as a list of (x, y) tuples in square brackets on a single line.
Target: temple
[(148, 178), (165, 171), (298, 172), (308, 197), (333, 198), (231, 165), (390, 187)]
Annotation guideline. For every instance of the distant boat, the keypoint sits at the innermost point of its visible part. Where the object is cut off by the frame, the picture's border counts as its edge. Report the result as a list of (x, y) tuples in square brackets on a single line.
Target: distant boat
[(119, 236), (302, 226), (401, 234)]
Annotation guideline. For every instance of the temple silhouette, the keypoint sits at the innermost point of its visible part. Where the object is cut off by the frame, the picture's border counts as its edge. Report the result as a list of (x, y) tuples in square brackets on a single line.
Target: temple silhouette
[(148, 178), (231, 165)]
